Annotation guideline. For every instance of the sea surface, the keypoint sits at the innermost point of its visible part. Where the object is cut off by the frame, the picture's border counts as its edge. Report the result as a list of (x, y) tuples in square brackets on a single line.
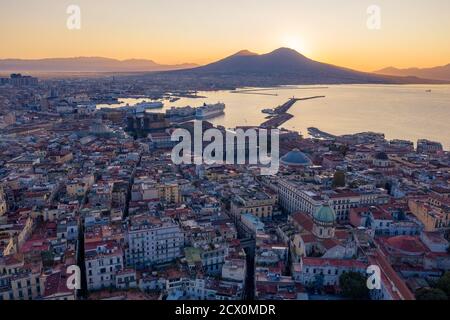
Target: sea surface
[(407, 112)]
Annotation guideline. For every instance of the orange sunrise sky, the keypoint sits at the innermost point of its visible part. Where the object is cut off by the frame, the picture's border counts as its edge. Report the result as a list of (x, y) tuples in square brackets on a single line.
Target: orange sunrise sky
[(414, 33)]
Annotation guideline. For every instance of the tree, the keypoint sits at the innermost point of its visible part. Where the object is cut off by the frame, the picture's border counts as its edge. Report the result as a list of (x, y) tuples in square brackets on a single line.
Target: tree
[(339, 179), (401, 215), (444, 283), (343, 149), (353, 285), (388, 187), (430, 294), (354, 184), (318, 282)]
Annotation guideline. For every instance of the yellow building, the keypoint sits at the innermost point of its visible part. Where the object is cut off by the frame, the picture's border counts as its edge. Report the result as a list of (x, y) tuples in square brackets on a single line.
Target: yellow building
[(257, 203), (76, 189), (433, 212), (170, 192)]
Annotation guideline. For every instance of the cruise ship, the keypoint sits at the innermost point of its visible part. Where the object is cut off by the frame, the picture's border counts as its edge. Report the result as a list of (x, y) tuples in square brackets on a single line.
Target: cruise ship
[(209, 111), (182, 112), (144, 105)]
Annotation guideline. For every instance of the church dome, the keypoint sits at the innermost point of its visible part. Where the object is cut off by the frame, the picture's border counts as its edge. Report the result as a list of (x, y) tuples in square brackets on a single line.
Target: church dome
[(325, 214), (296, 158)]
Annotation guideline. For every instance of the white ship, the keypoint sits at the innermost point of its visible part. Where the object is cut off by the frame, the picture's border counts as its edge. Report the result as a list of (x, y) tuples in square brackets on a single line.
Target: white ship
[(209, 111), (144, 105), (180, 112)]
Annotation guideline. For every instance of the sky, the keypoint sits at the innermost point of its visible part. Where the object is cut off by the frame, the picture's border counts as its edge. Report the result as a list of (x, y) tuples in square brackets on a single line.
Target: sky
[(413, 33)]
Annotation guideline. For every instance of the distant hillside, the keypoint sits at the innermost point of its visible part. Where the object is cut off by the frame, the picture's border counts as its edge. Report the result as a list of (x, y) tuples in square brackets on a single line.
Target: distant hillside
[(86, 64), (437, 73), (286, 66)]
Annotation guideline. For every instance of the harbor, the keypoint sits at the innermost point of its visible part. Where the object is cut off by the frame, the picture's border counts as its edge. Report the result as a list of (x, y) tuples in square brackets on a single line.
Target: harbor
[(280, 114)]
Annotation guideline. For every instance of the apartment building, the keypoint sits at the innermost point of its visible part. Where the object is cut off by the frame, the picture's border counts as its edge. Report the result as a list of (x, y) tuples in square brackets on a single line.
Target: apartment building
[(295, 197), (432, 211), (256, 202), (18, 282), (103, 260), (307, 271), (152, 241)]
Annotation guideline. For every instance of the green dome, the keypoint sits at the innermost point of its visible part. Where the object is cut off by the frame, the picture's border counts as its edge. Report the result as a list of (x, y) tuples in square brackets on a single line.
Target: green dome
[(296, 158), (325, 214)]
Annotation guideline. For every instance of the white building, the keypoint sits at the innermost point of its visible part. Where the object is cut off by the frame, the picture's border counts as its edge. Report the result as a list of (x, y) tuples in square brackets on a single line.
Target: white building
[(152, 241), (103, 260), (235, 270), (307, 271), (295, 197), (213, 257)]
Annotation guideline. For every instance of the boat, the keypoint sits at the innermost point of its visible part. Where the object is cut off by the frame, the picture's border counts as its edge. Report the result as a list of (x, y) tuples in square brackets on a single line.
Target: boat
[(144, 105), (180, 112), (268, 111), (174, 99), (208, 111)]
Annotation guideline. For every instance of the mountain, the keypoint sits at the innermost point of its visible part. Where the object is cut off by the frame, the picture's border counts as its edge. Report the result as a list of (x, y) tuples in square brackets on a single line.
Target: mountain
[(86, 64), (437, 73), (287, 66)]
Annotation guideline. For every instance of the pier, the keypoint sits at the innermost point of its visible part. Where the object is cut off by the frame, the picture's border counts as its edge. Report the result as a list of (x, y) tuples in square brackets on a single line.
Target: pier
[(319, 134), (285, 107), (277, 121), (280, 113)]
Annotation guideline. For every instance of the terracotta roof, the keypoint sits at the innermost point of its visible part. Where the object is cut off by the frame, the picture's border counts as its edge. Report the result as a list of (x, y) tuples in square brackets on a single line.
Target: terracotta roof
[(344, 263), (304, 220), (56, 283), (406, 243), (393, 283), (330, 243)]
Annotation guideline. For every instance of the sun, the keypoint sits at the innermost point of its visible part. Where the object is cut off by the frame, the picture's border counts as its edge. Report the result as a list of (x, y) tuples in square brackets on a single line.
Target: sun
[(294, 43)]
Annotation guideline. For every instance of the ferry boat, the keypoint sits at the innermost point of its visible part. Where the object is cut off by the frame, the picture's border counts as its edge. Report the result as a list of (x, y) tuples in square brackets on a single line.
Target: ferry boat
[(208, 111)]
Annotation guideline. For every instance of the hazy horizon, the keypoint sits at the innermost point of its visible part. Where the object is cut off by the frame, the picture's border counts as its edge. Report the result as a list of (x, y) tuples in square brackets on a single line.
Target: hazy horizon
[(197, 64)]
